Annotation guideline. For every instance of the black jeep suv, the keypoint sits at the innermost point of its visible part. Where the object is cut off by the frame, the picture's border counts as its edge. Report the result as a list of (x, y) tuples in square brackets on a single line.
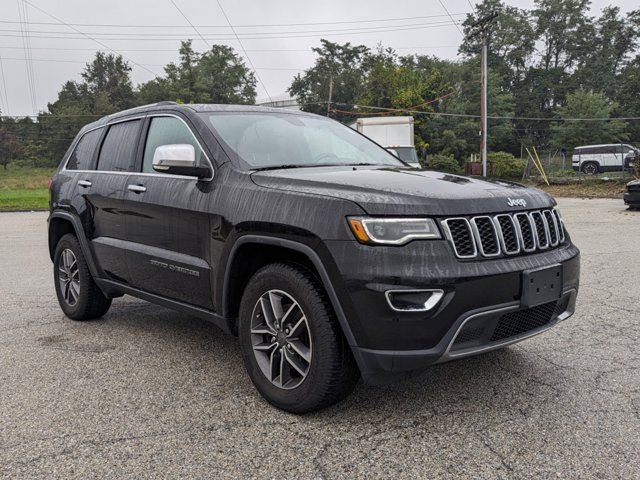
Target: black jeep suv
[(329, 257)]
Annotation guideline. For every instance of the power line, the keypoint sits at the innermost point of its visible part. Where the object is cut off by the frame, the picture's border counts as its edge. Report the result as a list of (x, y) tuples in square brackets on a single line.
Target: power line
[(335, 22), (27, 52), (27, 28), (4, 86), (244, 51), (173, 50), (192, 26), (213, 35), (451, 17), (299, 69), (89, 37), (464, 115), (370, 107)]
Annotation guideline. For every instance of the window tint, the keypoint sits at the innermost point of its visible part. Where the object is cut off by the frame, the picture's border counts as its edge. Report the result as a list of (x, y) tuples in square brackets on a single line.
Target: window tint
[(82, 155), (119, 147), (167, 131)]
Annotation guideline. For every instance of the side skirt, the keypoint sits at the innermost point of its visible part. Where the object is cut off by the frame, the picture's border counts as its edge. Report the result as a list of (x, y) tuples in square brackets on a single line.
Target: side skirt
[(112, 288)]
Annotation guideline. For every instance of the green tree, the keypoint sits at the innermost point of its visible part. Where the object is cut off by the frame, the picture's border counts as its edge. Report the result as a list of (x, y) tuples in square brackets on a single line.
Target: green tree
[(512, 38), (105, 88), (218, 75), (585, 104), (341, 66), (10, 146), (616, 40), (108, 83)]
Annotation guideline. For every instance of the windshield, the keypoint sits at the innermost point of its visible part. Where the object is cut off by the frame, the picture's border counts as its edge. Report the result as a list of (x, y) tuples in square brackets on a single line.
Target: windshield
[(407, 154), (271, 140)]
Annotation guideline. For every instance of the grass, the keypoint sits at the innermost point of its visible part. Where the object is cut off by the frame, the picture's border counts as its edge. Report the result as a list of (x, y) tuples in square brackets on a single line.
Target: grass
[(24, 188), (587, 189)]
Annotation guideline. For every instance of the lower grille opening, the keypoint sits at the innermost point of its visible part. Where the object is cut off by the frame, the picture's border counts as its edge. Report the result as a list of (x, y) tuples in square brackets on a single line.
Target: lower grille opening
[(522, 321), (484, 331)]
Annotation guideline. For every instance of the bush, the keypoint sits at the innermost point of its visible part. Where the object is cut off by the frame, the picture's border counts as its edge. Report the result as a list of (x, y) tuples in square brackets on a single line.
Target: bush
[(505, 165), (444, 163)]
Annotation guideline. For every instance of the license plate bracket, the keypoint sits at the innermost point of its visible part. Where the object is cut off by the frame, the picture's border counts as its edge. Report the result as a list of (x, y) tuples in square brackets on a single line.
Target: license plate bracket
[(541, 285)]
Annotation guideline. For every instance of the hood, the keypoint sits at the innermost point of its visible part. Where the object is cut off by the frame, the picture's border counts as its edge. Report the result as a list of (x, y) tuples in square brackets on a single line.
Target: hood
[(403, 191)]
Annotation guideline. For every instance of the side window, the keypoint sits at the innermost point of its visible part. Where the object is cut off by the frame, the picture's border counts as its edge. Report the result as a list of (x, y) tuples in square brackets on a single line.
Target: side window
[(82, 155), (167, 131), (118, 152), (606, 150)]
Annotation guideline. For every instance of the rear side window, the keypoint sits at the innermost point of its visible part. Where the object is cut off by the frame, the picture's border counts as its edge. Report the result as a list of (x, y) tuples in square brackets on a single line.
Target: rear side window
[(118, 152), (82, 155), (167, 131)]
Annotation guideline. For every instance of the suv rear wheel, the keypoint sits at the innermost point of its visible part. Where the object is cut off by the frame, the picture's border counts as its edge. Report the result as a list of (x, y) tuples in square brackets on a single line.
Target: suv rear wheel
[(293, 348), (78, 295), (590, 168)]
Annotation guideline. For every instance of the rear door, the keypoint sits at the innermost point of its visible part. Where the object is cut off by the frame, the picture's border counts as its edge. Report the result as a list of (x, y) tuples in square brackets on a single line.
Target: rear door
[(168, 221), (106, 196)]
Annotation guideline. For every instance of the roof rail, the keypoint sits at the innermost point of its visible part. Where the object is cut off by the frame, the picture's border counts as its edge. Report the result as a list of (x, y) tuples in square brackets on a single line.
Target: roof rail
[(165, 102)]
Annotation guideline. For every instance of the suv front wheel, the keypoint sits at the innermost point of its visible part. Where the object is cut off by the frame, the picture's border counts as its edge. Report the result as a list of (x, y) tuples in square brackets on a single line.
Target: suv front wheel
[(78, 295), (293, 348)]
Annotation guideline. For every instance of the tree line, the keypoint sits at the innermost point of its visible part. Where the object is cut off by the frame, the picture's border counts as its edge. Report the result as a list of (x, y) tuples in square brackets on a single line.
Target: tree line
[(547, 67)]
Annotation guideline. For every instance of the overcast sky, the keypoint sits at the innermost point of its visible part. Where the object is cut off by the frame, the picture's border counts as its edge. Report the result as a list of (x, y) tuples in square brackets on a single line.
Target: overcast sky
[(148, 33)]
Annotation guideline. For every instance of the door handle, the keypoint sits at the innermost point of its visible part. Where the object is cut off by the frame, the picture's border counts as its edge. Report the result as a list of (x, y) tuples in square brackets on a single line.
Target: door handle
[(137, 188), (84, 183)]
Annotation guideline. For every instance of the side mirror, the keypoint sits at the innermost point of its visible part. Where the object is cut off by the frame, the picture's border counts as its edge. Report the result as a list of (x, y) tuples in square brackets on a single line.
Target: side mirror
[(393, 151), (178, 159)]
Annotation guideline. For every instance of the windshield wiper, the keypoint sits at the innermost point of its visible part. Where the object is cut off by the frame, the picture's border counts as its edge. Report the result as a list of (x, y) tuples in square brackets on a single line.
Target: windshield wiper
[(295, 165), (363, 164)]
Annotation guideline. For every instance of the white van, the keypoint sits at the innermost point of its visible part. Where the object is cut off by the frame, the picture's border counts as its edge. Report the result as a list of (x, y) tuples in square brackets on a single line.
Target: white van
[(592, 159)]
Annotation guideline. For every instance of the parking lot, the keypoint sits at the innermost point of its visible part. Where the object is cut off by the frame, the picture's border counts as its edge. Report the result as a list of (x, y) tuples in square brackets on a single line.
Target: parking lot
[(147, 392)]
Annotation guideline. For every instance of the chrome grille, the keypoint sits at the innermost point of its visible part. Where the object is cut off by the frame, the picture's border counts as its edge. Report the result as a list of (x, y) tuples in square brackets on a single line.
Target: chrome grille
[(508, 233), (540, 230), (486, 236), (525, 231), (560, 225), (552, 226), (504, 234), (461, 236)]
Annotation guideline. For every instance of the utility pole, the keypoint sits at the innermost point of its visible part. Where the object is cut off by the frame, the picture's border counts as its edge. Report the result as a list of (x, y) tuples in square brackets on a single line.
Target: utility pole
[(481, 27), (330, 95), (483, 104)]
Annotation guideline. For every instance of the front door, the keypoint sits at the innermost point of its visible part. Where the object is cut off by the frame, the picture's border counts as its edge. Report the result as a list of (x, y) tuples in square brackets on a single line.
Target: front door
[(168, 222)]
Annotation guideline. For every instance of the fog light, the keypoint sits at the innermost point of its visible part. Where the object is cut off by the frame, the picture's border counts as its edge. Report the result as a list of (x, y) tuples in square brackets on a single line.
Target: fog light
[(413, 300)]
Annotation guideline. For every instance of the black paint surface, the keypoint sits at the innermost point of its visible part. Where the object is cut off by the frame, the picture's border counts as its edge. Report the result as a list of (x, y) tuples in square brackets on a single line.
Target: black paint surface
[(174, 239)]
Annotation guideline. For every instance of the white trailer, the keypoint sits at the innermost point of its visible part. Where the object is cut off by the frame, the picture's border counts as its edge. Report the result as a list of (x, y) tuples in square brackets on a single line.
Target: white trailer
[(393, 133)]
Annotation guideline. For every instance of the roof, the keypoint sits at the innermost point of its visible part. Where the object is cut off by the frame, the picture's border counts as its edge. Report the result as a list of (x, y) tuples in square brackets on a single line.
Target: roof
[(602, 145), (194, 107), (385, 120)]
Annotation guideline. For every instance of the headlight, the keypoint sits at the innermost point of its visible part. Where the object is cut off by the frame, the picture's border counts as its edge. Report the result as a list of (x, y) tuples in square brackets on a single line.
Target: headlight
[(392, 231)]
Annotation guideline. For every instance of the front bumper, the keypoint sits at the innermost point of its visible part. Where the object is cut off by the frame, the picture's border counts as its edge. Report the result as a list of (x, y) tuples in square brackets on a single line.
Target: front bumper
[(632, 198), (383, 366), (391, 344)]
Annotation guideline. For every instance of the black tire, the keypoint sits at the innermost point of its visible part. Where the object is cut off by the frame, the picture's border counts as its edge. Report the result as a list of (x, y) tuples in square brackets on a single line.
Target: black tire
[(90, 302), (590, 168), (332, 372)]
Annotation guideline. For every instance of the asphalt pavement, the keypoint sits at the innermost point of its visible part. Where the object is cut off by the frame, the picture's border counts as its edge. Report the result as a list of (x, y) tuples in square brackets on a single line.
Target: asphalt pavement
[(149, 393)]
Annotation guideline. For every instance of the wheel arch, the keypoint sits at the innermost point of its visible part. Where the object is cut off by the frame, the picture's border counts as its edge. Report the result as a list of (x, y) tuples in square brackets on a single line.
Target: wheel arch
[(61, 223), (295, 252)]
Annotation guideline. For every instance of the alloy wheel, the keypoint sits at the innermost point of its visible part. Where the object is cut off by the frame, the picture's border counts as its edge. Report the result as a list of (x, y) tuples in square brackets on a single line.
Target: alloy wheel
[(281, 339), (69, 277)]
